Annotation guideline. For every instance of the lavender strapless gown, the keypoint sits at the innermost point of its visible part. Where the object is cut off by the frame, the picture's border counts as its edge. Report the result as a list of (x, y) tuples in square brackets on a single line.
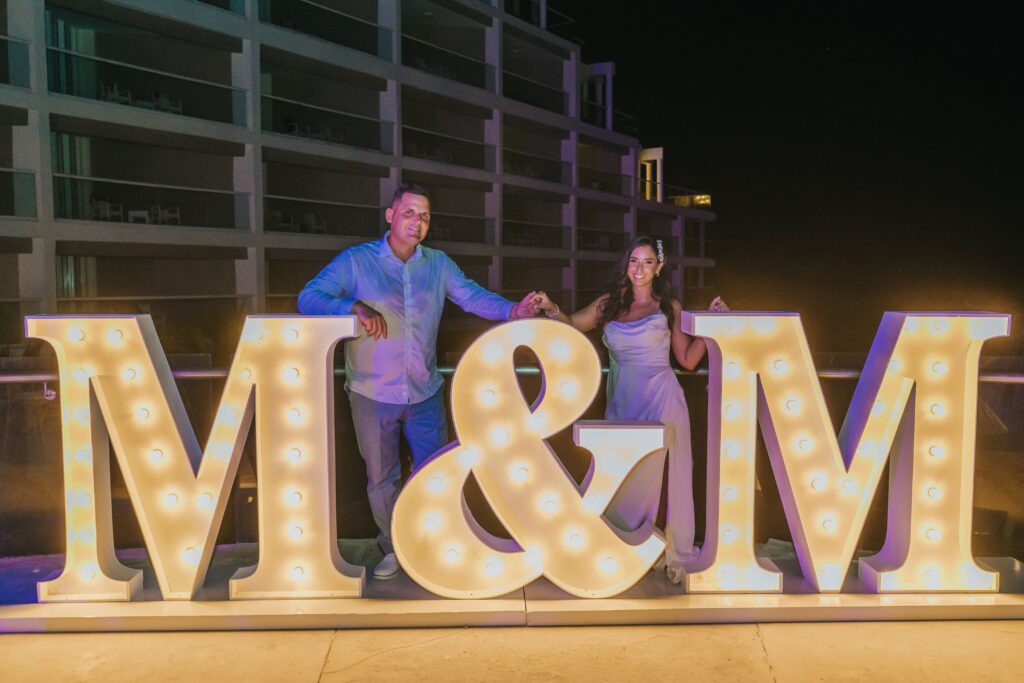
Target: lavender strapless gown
[(642, 386)]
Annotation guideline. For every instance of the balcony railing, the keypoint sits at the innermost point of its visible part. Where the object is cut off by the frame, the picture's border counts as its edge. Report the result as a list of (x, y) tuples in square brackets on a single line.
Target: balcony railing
[(447, 149), (320, 217), (98, 78), (688, 198), (236, 6), (330, 24), (449, 227), (533, 166), (531, 92), (588, 239), (593, 113), (282, 115), (14, 69), (122, 201), (606, 181), (439, 61), (539, 235), (17, 193)]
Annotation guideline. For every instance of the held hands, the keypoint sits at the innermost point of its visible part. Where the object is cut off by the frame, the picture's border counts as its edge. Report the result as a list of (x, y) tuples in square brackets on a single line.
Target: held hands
[(544, 303), (527, 308), (718, 305), (371, 320)]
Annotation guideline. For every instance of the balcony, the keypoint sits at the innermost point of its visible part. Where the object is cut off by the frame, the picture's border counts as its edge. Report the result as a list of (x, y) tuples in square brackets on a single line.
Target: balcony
[(534, 235), (324, 20), (447, 149), (17, 193), (89, 198), (528, 91), (524, 275), (659, 226), (320, 217), (438, 61), (14, 65), (289, 117), (533, 73), (594, 113), (447, 40), (605, 181), (537, 167), (604, 241), (449, 227), (234, 6)]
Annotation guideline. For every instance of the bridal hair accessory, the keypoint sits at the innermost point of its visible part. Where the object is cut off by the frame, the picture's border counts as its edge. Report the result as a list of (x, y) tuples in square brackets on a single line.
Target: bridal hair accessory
[(661, 251)]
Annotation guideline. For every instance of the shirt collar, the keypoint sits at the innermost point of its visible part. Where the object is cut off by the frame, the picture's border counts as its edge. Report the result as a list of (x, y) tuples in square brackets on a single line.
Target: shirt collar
[(385, 250)]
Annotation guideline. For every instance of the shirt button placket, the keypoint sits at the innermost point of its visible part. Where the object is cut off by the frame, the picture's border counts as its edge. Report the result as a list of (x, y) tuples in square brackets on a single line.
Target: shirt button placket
[(408, 337)]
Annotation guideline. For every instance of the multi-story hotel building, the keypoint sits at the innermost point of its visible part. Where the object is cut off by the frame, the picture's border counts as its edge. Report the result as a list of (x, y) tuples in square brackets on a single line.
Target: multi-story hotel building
[(198, 160)]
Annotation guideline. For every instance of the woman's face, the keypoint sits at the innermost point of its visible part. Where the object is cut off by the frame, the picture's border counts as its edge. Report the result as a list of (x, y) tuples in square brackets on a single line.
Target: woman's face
[(643, 266)]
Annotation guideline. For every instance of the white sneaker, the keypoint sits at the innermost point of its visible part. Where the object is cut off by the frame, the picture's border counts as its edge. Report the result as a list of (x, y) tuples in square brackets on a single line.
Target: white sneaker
[(386, 568)]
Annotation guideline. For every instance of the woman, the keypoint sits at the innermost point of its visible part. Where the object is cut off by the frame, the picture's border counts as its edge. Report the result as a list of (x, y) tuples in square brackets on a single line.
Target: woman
[(639, 315)]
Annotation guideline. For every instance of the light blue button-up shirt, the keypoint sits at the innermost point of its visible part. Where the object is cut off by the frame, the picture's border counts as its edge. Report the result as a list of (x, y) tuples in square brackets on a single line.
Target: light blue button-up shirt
[(410, 296)]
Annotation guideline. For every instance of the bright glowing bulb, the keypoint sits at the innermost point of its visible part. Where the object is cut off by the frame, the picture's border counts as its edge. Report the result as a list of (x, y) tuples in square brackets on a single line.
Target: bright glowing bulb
[(549, 503), (291, 334), (156, 455), (81, 415), (609, 565), (431, 522), (518, 473), (294, 454), (129, 374), (82, 499), (878, 408), (493, 566), (779, 366), (936, 451), (803, 444), (291, 375), (83, 455), (568, 389), (537, 421), (764, 325), (87, 535), (298, 573), (894, 366), (229, 415), (171, 499), (88, 572), (206, 501), (818, 483), (940, 368), (731, 448), (468, 457), (493, 352), (828, 524), (934, 492), (254, 333), (939, 326), (115, 336), (533, 556), (868, 449), (733, 410), (937, 409), (76, 334), (731, 370), (80, 375), (295, 532), (294, 415), (849, 486), (142, 413), (437, 484), (499, 436), (191, 556), (453, 552), (793, 405), (560, 351), (574, 539), (246, 374), (293, 497), (932, 534), (488, 397), (222, 451), (729, 493), (729, 534)]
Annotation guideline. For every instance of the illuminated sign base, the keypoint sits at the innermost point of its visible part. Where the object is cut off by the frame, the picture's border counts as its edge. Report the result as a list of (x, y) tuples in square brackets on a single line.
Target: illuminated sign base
[(400, 603)]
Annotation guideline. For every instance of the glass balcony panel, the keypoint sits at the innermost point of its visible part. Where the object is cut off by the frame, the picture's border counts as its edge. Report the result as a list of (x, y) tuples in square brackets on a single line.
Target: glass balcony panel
[(312, 216), (606, 181), (527, 10), (523, 234), (452, 228), (14, 68), (532, 92), (289, 117), (72, 73), (95, 199), (324, 22), (593, 113), (600, 240), (532, 166), (236, 6), (446, 149), (17, 193), (435, 60)]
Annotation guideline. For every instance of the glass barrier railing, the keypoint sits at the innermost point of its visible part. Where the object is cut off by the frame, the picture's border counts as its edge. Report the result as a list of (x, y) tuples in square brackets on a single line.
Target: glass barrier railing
[(526, 234), (320, 217), (529, 91), (17, 193), (533, 166), (108, 80), (121, 201), (281, 115), (446, 149), (328, 23), (588, 239), (14, 64), (438, 61), (447, 227), (605, 181)]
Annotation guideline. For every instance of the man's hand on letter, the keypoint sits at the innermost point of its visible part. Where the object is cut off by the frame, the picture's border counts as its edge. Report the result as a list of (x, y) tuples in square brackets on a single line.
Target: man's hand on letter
[(372, 321)]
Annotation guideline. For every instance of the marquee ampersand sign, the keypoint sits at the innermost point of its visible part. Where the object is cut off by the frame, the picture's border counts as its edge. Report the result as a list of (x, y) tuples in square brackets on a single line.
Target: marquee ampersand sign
[(557, 527)]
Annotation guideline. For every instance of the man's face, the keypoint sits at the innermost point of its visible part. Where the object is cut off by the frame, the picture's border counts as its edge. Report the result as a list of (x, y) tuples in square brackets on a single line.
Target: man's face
[(409, 219)]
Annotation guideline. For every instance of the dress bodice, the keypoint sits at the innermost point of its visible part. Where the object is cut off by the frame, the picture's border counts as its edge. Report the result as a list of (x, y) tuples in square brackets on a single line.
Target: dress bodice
[(643, 342)]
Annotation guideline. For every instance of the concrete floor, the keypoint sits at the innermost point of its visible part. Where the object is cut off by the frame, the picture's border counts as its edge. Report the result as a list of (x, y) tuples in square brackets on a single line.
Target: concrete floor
[(905, 651)]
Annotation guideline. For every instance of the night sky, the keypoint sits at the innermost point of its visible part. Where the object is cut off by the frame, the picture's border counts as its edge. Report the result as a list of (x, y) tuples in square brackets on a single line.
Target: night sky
[(862, 156)]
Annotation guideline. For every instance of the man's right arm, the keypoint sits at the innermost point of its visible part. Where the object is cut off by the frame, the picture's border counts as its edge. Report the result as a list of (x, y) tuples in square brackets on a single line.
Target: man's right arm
[(331, 291)]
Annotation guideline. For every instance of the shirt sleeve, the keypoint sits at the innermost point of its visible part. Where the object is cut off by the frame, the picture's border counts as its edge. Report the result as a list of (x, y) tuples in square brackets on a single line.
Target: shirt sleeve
[(473, 298), (331, 291)]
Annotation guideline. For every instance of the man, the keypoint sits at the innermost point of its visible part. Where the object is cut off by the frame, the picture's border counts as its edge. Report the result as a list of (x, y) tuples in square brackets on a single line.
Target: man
[(397, 290)]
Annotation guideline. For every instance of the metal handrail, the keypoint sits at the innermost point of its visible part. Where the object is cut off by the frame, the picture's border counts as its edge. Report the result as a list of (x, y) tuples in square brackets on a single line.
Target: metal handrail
[(158, 72), (221, 373), (307, 105), (139, 183)]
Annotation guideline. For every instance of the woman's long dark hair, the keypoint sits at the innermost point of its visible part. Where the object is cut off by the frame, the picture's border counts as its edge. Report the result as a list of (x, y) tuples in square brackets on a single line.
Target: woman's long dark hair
[(620, 289)]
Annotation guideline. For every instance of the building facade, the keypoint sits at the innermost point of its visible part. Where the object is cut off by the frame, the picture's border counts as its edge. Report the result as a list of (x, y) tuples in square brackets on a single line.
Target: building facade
[(200, 160)]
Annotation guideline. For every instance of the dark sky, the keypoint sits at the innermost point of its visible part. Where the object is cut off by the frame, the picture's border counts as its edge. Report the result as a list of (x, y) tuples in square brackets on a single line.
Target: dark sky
[(862, 156)]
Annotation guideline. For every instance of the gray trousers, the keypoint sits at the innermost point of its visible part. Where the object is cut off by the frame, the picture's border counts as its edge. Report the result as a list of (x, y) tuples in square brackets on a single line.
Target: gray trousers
[(378, 429)]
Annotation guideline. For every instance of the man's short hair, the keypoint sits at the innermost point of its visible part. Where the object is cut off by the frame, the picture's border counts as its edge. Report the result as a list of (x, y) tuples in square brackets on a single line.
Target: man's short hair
[(408, 188)]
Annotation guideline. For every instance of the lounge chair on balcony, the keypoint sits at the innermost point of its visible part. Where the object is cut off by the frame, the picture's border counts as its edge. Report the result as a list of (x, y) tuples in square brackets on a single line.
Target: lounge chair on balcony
[(164, 215), (309, 222), (111, 93), (163, 102), (104, 210), (278, 221)]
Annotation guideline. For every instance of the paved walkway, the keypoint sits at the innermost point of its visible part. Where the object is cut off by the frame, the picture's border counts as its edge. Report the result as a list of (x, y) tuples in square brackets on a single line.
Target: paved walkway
[(907, 651)]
